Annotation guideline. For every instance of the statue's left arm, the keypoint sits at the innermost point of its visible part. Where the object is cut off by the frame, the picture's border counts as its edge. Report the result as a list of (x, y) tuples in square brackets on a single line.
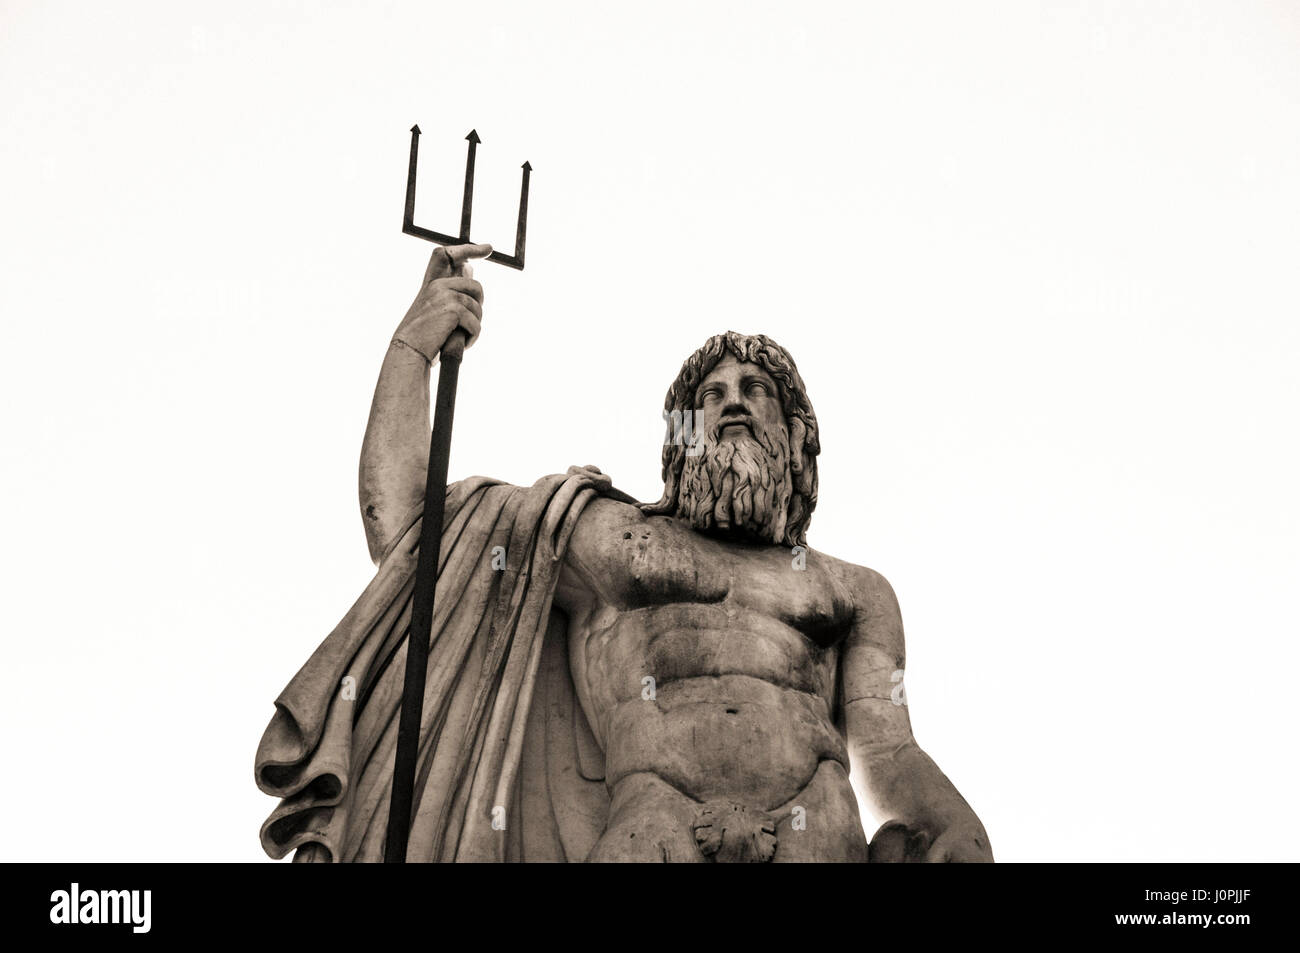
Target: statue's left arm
[(896, 777)]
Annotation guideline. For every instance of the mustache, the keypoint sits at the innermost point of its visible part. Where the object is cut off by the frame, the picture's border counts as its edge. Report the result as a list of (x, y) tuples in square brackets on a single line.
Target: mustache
[(731, 420)]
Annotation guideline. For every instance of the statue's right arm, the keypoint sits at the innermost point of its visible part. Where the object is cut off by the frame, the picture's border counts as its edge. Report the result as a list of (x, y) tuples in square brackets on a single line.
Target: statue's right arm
[(395, 451), (889, 769)]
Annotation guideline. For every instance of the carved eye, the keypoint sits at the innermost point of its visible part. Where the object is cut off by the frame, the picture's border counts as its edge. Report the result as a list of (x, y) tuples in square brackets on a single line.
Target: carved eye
[(757, 389), (709, 395)]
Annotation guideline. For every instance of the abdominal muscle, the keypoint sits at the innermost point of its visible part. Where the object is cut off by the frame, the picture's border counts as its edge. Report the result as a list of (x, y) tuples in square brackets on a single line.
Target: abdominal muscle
[(704, 748), (730, 736), (699, 704)]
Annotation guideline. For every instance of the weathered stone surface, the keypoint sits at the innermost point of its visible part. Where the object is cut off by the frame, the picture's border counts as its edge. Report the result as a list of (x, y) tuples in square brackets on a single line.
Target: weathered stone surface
[(719, 680)]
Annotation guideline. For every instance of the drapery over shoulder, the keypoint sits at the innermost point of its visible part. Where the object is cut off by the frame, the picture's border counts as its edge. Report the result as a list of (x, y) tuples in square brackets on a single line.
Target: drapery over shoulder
[(502, 738)]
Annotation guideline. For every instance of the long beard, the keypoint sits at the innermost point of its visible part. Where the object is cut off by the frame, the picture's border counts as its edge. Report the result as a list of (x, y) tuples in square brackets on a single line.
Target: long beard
[(739, 488)]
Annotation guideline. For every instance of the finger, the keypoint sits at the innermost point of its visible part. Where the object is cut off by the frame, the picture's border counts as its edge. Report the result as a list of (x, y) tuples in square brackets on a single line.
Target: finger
[(467, 270), (453, 303), (440, 264), (596, 479), (459, 254), (472, 326), (445, 296), (466, 286), (469, 304)]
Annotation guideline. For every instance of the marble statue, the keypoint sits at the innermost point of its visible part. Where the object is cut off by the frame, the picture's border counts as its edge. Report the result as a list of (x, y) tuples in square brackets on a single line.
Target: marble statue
[(681, 681)]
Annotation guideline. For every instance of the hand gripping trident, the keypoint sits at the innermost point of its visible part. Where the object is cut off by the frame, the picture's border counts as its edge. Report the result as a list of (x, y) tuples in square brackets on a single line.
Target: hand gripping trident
[(402, 797)]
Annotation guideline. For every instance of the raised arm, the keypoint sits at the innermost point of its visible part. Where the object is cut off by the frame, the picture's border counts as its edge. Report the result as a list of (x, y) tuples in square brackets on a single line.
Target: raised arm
[(897, 778), (395, 451)]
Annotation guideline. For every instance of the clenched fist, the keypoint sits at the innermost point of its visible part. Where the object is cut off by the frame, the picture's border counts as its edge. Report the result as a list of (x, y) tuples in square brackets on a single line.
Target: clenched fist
[(449, 298)]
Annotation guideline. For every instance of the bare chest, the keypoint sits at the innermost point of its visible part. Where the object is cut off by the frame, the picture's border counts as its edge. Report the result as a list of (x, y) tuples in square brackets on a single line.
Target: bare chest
[(633, 562)]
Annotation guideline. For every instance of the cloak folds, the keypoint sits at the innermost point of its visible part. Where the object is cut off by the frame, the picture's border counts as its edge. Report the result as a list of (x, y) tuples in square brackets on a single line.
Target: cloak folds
[(508, 768)]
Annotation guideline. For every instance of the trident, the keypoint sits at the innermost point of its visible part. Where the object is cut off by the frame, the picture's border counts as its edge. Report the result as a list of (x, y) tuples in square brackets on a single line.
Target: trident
[(435, 496), (467, 203)]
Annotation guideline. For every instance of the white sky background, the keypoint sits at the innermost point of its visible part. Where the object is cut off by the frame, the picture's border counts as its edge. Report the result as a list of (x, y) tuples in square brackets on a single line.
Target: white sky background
[(1037, 264)]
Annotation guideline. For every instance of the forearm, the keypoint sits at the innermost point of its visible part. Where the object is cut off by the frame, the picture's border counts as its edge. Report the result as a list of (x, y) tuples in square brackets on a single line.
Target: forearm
[(395, 451), (903, 783)]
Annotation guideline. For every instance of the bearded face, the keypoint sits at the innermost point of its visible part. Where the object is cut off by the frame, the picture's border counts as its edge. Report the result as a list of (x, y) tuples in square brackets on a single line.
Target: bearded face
[(736, 480)]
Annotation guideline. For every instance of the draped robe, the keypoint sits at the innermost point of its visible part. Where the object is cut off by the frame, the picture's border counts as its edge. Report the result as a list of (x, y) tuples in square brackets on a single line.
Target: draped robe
[(508, 768)]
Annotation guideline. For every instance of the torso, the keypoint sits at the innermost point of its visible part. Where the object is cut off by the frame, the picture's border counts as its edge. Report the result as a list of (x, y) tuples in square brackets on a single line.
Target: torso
[(740, 642)]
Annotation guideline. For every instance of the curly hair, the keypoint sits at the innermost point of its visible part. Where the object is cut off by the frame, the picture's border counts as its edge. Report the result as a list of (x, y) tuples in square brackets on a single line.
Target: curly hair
[(799, 417)]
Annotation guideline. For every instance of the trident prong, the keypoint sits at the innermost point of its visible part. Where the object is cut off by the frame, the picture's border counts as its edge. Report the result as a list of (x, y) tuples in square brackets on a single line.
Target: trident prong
[(410, 228)]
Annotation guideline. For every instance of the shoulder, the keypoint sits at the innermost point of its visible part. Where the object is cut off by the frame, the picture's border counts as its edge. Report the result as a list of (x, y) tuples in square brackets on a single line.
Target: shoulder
[(596, 539), (878, 623), (605, 543), (872, 592), (603, 516)]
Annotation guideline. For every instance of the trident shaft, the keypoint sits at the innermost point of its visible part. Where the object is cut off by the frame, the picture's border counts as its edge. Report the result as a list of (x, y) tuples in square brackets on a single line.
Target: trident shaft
[(402, 798)]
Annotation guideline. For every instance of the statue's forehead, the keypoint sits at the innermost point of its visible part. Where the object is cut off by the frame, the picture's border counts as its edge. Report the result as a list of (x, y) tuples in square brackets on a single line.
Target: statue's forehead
[(730, 364)]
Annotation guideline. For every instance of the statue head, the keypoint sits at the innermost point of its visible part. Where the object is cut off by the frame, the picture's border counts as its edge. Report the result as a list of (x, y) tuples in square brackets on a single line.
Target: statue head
[(743, 461)]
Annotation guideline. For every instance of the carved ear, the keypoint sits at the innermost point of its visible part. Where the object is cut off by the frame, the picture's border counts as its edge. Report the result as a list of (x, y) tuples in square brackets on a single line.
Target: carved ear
[(798, 433)]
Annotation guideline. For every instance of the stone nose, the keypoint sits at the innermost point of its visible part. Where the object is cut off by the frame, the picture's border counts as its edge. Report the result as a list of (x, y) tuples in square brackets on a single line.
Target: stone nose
[(736, 406)]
